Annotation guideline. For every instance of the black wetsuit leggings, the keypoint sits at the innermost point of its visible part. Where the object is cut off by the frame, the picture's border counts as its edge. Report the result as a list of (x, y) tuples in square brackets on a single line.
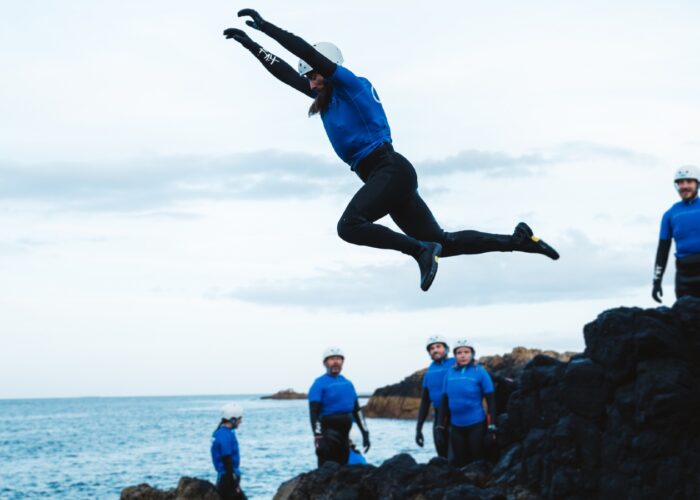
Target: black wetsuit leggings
[(688, 276), (334, 445), (466, 443), (391, 188), (441, 436)]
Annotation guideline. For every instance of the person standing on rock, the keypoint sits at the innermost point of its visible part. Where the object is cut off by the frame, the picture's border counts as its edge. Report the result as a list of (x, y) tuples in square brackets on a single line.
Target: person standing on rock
[(433, 381), (358, 129), (682, 224), (333, 405), (225, 453), (464, 389)]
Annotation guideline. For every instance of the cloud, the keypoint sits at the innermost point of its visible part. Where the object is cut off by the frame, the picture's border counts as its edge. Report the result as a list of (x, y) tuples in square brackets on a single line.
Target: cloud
[(161, 181), (500, 163), (154, 183), (585, 271)]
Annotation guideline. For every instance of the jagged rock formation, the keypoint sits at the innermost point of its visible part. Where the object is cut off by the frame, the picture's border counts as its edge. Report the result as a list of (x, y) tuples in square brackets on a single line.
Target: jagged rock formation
[(286, 394), (188, 488), (621, 420), (402, 400)]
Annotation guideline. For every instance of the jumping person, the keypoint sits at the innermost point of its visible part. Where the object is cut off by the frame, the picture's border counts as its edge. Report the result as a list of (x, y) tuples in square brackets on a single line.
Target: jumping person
[(682, 224), (466, 385), (225, 453), (433, 381), (333, 405), (357, 127)]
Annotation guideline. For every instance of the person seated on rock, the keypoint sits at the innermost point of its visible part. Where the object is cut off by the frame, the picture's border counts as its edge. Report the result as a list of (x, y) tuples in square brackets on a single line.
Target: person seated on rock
[(433, 380), (358, 129), (333, 405), (682, 224), (464, 389), (355, 457), (225, 453)]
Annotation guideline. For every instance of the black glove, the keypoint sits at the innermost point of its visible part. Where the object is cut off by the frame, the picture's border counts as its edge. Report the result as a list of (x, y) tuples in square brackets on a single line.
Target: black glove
[(491, 432), (257, 21), (656, 292), (365, 441), (419, 437), (240, 36)]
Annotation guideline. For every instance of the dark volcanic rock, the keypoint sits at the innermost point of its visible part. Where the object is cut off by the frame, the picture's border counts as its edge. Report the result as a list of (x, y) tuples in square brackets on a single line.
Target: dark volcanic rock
[(621, 420), (397, 478), (189, 488)]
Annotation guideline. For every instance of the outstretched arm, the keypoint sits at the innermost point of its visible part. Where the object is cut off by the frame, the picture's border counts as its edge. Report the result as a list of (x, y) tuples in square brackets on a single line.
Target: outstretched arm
[(659, 267), (294, 44), (276, 66)]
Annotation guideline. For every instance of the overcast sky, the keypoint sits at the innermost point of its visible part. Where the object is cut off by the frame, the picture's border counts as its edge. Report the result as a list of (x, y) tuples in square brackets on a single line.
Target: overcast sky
[(168, 210)]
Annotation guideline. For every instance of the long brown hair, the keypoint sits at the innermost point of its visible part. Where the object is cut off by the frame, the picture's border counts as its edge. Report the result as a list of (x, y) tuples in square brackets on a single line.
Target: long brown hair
[(322, 101)]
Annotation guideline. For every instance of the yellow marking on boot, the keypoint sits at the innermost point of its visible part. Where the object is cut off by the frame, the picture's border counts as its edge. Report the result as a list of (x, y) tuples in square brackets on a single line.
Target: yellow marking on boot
[(436, 259), (534, 238)]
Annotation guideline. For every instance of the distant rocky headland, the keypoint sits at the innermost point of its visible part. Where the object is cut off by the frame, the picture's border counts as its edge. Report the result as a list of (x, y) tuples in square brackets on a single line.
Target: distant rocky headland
[(286, 394), (402, 400), (620, 420)]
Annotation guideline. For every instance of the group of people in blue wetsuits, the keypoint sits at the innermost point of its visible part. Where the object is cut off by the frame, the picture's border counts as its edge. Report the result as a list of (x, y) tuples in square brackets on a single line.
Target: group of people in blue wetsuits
[(358, 129), (458, 389)]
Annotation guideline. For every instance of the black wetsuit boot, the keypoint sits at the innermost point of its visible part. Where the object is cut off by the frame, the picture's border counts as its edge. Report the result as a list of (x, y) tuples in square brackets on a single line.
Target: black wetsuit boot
[(524, 240)]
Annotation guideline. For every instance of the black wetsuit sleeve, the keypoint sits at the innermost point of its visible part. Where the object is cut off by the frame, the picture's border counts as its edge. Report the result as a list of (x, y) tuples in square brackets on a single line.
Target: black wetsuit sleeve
[(280, 69), (300, 48), (359, 417), (315, 415), (491, 403), (443, 414), (661, 259), (424, 408)]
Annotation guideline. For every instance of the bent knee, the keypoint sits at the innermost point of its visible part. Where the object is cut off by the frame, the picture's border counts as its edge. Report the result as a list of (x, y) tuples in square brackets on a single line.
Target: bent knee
[(347, 227)]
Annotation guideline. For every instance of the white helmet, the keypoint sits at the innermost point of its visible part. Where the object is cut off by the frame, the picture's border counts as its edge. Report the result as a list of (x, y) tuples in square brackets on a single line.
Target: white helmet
[(436, 339), (231, 411), (686, 172), (325, 48), (462, 343), (333, 351)]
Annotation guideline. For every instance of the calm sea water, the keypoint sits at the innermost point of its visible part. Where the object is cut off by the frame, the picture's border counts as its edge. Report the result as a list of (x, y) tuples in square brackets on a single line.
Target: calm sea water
[(89, 448)]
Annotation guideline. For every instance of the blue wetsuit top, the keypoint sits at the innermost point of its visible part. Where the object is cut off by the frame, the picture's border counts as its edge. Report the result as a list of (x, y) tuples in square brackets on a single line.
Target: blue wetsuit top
[(354, 121), (465, 387), (224, 442), (434, 379), (682, 223), (335, 393)]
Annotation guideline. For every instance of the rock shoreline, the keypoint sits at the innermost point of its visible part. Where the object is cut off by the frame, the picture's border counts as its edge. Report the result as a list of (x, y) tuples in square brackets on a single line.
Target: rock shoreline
[(621, 420)]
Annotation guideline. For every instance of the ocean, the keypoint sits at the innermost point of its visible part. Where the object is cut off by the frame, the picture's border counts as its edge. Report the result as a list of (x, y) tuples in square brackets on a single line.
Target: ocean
[(91, 448)]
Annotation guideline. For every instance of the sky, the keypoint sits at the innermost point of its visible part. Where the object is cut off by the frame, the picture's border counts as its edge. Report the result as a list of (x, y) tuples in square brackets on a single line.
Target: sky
[(169, 211)]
